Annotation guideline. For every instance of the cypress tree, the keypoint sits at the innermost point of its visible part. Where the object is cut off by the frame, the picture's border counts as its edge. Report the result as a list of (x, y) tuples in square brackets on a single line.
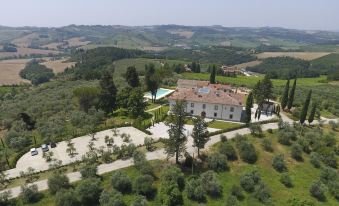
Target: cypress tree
[(213, 73), (200, 133), (291, 97), (107, 96), (249, 105), (303, 113), (284, 99), (132, 77), (312, 114)]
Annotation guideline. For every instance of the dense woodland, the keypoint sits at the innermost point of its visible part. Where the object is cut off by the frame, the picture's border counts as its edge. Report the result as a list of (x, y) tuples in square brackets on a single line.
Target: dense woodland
[(36, 72), (285, 68)]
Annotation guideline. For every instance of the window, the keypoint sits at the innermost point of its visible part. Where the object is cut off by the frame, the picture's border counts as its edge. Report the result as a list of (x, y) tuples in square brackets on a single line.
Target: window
[(232, 109), (215, 107), (192, 104), (204, 106), (231, 116), (192, 112), (215, 114)]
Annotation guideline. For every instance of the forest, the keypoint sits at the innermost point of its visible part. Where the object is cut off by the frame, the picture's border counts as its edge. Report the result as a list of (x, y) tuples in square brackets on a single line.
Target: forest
[(285, 68)]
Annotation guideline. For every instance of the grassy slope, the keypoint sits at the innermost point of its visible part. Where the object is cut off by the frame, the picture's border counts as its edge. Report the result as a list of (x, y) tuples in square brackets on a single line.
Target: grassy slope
[(302, 174)]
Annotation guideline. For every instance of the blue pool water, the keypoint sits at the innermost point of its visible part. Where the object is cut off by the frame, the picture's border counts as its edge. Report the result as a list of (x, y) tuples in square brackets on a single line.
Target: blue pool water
[(160, 93)]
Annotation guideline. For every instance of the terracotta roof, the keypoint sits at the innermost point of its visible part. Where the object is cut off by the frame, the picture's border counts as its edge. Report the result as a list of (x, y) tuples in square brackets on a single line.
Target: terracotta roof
[(208, 94), (186, 83)]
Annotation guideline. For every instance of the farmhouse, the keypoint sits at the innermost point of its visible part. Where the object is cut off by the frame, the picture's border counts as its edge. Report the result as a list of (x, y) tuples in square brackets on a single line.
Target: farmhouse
[(229, 70), (214, 101)]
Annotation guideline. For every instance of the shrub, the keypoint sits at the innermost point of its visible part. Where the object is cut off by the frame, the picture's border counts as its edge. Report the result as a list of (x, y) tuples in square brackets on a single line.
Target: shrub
[(121, 182), (66, 198), (256, 129), (139, 201), (305, 144), (296, 152), (143, 185), (237, 192), (279, 163), (315, 160), (249, 180), (148, 141), (329, 159), (217, 162), (89, 171), (328, 175), (231, 201), (114, 198), (30, 194), (286, 180), (170, 194), (333, 187), (195, 190), (248, 153), (317, 190), (333, 124), (263, 193), (211, 184), (223, 138), (267, 145), (286, 134), (227, 149), (57, 182), (141, 163), (88, 191), (106, 157), (173, 174)]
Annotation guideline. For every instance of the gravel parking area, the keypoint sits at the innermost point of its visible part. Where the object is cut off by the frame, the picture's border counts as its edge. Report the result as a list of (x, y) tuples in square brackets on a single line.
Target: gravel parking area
[(81, 144)]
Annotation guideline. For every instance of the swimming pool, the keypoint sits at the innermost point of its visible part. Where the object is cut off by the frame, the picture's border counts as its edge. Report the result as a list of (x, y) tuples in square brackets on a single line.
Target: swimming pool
[(161, 93)]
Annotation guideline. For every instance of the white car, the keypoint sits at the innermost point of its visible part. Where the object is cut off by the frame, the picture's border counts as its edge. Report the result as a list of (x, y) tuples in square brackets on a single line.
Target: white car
[(44, 148), (34, 151)]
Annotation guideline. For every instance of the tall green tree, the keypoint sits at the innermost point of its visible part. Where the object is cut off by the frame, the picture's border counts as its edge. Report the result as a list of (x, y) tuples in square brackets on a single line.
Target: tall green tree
[(200, 133), (108, 93), (136, 104), (87, 97), (175, 144), (267, 87), (258, 94), (151, 80), (312, 113), (132, 77), (284, 99), (249, 105), (291, 97), (304, 110), (213, 73)]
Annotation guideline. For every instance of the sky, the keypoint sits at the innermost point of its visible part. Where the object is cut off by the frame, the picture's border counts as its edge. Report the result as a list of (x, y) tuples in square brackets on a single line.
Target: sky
[(297, 14)]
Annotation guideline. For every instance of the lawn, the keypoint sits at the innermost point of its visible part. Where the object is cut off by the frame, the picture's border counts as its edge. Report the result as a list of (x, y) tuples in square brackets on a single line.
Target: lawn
[(302, 174), (216, 124)]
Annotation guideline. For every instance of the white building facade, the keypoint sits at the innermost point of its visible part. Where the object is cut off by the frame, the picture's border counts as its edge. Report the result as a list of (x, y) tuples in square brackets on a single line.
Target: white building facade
[(212, 101)]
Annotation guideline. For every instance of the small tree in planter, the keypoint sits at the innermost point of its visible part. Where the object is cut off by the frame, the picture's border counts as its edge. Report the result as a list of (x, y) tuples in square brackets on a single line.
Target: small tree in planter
[(109, 141)]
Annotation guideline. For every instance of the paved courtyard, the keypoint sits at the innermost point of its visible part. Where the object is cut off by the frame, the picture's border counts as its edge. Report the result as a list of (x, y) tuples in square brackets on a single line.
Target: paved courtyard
[(81, 144)]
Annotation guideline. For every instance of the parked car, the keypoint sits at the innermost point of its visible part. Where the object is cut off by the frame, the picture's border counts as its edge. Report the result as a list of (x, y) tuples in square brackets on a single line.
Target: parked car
[(52, 144), (44, 148), (34, 151)]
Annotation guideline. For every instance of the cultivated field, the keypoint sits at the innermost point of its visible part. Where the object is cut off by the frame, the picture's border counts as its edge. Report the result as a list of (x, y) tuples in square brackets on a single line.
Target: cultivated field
[(300, 55), (9, 71), (25, 41), (77, 41), (248, 64), (27, 52), (183, 33), (58, 65)]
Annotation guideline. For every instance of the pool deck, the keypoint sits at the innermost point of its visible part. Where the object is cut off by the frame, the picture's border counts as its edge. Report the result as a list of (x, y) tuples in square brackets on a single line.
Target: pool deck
[(168, 92)]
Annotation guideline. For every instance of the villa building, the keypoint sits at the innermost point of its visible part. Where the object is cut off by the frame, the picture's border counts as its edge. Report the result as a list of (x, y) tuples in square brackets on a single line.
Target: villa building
[(213, 101)]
